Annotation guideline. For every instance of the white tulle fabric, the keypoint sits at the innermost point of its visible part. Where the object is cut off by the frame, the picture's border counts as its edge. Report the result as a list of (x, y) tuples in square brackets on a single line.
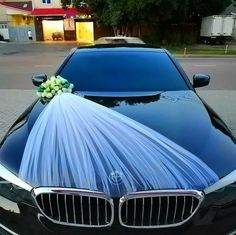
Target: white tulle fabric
[(78, 143)]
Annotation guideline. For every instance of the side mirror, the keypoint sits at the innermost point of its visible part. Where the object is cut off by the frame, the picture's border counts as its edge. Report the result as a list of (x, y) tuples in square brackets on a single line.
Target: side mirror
[(200, 80), (38, 79)]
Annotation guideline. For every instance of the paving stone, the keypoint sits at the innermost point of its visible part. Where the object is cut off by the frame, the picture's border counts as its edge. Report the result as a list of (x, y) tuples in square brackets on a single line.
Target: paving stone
[(12, 104)]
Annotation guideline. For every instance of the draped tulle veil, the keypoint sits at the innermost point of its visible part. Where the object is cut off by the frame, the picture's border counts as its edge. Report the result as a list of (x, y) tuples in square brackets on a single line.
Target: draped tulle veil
[(78, 143)]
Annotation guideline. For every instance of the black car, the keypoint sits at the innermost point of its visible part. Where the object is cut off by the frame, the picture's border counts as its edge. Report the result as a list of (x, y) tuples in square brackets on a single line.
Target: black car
[(149, 87)]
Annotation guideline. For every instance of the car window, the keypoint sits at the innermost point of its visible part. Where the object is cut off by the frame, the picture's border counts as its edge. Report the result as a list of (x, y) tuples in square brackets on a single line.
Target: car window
[(100, 40), (122, 71), (135, 40), (115, 40)]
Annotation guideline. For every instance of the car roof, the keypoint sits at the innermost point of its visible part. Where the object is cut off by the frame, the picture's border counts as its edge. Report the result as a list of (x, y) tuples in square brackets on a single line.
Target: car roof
[(119, 37), (122, 47)]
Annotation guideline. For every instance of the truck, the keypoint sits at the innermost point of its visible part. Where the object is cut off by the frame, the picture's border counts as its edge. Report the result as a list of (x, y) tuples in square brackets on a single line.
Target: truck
[(217, 29)]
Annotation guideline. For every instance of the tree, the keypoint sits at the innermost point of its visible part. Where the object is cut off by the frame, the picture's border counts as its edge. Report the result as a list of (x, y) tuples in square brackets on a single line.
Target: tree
[(123, 15), (192, 11), (119, 12)]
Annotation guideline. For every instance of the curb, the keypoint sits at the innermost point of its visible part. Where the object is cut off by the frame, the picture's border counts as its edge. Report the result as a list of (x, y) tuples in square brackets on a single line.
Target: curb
[(203, 55)]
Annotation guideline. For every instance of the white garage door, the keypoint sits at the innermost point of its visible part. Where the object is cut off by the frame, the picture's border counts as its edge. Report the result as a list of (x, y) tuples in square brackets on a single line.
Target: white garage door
[(4, 31)]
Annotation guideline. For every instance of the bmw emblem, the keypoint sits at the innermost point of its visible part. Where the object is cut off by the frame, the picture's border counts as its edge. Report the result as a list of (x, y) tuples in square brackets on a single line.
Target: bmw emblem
[(115, 177)]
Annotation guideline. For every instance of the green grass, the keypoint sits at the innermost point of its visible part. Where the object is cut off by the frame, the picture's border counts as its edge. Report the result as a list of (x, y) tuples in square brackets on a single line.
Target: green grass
[(202, 50)]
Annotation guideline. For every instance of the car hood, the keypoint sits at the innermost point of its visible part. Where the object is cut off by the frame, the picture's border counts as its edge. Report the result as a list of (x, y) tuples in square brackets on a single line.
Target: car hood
[(181, 116)]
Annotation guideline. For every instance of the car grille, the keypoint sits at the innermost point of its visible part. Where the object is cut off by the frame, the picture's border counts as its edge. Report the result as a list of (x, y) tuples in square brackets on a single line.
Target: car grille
[(156, 209), (75, 207)]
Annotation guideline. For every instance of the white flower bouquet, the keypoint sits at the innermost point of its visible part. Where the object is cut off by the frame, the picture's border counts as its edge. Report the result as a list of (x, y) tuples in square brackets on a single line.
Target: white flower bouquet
[(54, 86)]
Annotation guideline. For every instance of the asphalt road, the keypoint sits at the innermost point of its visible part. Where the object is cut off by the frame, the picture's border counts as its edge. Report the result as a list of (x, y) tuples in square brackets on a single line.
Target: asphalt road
[(18, 62), (222, 71)]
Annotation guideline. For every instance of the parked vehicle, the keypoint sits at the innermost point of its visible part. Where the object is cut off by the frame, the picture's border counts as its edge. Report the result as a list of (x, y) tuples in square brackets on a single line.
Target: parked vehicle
[(153, 156), (217, 29), (57, 36)]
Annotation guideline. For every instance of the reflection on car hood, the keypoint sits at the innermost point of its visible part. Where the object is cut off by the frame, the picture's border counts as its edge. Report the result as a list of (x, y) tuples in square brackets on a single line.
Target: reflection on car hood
[(182, 117)]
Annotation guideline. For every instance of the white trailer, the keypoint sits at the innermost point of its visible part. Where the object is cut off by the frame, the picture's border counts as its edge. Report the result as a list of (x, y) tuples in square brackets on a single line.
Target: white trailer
[(228, 26), (217, 28)]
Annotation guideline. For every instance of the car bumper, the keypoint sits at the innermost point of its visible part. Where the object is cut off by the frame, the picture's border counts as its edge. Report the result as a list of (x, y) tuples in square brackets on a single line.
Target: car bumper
[(216, 215)]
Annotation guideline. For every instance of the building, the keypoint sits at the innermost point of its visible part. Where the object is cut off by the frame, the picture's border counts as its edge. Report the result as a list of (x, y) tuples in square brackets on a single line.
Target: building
[(4, 23), (16, 20), (54, 23), (47, 21)]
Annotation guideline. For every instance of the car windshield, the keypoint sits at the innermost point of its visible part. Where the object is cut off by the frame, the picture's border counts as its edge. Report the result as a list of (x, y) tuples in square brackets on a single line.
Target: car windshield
[(121, 71), (115, 40)]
